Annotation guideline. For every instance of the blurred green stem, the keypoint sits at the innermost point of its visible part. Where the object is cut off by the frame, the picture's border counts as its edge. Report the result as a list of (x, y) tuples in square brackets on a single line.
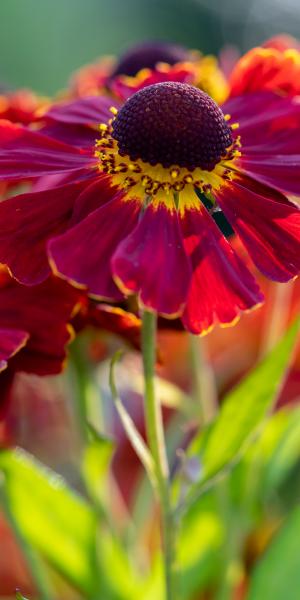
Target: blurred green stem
[(156, 441), (34, 563), (232, 568), (81, 389), (276, 321), (204, 386), (88, 400)]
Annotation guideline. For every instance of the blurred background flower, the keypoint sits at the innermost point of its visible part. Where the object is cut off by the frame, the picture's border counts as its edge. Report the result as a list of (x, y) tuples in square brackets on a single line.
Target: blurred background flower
[(42, 43)]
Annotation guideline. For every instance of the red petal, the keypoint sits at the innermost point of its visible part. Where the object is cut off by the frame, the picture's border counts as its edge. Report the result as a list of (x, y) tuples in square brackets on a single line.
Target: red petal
[(74, 135), (261, 113), (152, 262), (26, 154), (124, 87), (221, 284), (43, 313), (11, 341), (83, 254), (99, 192), (279, 171), (266, 69), (88, 111), (118, 321), (27, 222), (268, 225)]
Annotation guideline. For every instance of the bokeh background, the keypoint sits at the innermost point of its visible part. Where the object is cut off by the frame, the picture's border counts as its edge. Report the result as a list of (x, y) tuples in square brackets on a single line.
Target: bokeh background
[(42, 41)]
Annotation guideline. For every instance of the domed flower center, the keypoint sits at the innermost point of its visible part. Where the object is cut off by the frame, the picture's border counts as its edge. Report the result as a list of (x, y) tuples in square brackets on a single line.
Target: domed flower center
[(172, 124)]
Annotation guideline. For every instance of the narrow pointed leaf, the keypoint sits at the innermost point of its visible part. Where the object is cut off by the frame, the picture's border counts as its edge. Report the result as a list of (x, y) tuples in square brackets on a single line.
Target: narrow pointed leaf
[(242, 411), (277, 575), (55, 520)]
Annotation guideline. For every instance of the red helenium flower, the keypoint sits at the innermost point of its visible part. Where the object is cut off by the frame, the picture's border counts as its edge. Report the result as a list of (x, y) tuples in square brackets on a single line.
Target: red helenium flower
[(34, 324), (21, 106), (146, 64), (127, 215), (282, 42), (201, 71), (95, 77), (267, 68)]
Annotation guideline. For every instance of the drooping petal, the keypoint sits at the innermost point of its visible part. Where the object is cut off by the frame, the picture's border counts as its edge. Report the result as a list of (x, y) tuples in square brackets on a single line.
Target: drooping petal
[(11, 341), (281, 171), (221, 285), (267, 223), (97, 193), (76, 122), (152, 262), (261, 114), (43, 313), (27, 222), (26, 154), (269, 130), (75, 135), (114, 319), (89, 111), (83, 253)]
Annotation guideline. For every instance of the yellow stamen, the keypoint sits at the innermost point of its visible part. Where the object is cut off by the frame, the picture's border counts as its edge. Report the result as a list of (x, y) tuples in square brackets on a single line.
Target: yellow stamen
[(138, 177)]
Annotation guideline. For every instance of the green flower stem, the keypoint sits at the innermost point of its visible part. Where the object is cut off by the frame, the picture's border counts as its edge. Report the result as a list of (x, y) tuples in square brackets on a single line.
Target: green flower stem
[(80, 378), (278, 314), (87, 398), (34, 563), (156, 441), (204, 385)]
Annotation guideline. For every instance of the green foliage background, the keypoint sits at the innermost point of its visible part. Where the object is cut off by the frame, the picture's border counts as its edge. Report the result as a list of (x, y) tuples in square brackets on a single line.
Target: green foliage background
[(43, 41)]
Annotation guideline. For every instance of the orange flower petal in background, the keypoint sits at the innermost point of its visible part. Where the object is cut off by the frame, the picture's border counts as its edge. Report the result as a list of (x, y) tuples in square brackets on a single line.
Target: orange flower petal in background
[(267, 69)]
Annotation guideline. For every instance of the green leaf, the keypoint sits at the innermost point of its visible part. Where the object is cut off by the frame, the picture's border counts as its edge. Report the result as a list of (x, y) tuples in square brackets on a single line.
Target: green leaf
[(242, 411), (65, 529), (20, 597), (132, 432), (55, 520), (96, 459), (277, 450), (199, 545), (277, 575)]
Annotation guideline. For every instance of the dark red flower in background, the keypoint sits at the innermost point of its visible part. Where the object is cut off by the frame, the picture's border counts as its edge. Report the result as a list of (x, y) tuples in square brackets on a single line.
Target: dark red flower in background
[(148, 63), (34, 324), (109, 319)]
